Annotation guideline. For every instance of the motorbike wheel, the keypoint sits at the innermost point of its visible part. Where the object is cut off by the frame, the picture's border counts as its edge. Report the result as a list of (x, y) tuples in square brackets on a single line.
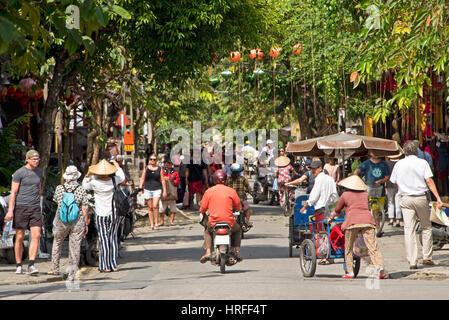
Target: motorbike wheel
[(307, 258), (222, 262), (435, 245)]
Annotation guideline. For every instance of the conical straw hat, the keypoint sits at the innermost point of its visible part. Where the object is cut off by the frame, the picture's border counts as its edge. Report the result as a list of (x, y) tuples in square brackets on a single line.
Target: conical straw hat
[(353, 182), (282, 161), (103, 168)]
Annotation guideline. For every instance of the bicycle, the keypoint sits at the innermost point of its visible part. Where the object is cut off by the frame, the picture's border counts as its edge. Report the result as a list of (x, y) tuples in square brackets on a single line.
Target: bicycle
[(378, 212), (287, 199)]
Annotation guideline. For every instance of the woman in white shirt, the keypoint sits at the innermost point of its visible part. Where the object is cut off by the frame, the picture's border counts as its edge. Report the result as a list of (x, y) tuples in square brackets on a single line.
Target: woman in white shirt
[(99, 179)]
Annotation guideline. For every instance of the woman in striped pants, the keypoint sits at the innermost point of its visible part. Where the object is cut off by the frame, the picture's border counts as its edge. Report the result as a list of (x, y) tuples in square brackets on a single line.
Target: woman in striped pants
[(99, 179)]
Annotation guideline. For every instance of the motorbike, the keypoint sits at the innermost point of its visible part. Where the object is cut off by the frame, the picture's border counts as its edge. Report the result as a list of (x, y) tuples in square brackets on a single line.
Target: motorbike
[(127, 223), (440, 234), (263, 187), (222, 255), (7, 245)]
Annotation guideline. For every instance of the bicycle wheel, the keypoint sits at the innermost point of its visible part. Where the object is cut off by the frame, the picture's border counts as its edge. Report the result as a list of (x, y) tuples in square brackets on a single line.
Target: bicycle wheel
[(379, 216), (307, 258)]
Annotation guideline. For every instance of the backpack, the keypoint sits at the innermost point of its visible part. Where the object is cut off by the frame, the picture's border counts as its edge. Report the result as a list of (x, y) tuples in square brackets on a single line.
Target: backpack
[(119, 201), (69, 211)]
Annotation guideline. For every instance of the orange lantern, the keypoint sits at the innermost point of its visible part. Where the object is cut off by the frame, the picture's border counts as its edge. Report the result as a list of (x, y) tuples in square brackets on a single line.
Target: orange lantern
[(253, 54), (256, 54), (235, 56), (274, 52), (297, 48), (259, 54)]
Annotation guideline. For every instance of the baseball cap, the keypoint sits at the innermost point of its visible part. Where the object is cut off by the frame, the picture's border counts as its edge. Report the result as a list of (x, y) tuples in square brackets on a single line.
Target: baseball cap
[(31, 153), (316, 164)]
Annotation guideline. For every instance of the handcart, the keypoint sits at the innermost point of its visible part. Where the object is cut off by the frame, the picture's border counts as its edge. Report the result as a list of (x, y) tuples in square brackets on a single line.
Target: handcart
[(310, 235)]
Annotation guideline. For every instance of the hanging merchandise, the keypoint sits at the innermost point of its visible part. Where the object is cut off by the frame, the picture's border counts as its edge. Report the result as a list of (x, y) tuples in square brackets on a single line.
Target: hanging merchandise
[(428, 108)]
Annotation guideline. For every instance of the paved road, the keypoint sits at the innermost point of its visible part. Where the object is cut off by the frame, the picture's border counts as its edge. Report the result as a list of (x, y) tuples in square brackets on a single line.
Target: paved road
[(164, 264)]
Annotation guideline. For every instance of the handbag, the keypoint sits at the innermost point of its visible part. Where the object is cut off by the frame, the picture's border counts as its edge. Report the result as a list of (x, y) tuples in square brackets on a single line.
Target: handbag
[(185, 200), (360, 250)]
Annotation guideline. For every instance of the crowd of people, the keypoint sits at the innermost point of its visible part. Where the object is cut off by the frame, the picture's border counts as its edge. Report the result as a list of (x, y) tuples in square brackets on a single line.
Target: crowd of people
[(400, 184)]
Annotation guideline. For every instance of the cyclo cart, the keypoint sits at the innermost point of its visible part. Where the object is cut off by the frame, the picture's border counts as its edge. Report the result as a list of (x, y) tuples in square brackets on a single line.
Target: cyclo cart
[(312, 236), (304, 232)]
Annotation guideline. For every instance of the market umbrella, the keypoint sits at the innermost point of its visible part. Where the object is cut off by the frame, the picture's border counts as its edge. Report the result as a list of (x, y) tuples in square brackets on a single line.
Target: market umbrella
[(343, 144)]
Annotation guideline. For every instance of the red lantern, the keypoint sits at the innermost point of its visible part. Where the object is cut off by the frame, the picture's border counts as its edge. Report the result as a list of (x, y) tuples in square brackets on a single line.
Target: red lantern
[(256, 54), (274, 52), (253, 54), (297, 48), (235, 56)]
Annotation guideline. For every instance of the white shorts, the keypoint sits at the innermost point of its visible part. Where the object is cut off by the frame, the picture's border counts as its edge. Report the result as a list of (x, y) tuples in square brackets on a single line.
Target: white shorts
[(147, 194), (171, 204)]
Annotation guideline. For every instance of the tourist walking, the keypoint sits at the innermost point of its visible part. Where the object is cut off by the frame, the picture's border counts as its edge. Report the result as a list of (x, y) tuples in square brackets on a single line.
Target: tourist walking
[(414, 179), (171, 180), (25, 210), (99, 180), (358, 220), (75, 229), (153, 189)]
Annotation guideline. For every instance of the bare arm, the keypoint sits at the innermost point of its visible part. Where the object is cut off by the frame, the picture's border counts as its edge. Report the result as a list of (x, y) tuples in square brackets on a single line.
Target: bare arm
[(12, 200), (433, 189), (297, 181)]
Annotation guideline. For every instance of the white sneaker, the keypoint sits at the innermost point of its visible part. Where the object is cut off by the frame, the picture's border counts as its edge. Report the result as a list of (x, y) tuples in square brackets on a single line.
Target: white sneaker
[(19, 270), (32, 270)]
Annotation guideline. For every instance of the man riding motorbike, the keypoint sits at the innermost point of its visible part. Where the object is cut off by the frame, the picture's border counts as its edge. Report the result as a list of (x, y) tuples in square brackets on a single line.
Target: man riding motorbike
[(241, 186), (220, 201)]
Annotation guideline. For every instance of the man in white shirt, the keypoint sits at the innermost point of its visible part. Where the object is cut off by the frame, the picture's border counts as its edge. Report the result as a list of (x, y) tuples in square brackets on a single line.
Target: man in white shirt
[(413, 178), (324, 192)]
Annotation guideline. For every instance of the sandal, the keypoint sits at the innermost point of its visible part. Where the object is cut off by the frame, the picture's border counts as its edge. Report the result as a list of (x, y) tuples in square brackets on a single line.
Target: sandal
[(53, 273), (204, 258), (348, 276), (325, 262)]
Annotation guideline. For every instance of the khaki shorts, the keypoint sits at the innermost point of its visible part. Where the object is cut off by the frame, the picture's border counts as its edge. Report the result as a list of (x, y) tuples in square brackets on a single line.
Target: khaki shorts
[(171, 204), (26, 217)]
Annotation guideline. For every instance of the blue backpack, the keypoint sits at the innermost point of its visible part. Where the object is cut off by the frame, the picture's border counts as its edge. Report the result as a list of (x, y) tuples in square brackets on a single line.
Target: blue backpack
[(69, 211)]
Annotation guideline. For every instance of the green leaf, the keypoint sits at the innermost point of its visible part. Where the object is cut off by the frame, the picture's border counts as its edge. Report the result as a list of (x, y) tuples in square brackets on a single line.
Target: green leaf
[(121, 12), (100, 17), (89, 44)]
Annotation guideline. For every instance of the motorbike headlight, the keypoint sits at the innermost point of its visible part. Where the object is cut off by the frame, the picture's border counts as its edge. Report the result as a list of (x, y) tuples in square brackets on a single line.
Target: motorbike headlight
[(270, 179)]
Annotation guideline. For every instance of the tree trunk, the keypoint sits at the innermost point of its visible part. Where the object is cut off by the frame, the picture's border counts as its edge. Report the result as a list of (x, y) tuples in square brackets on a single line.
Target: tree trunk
[(55, 87)]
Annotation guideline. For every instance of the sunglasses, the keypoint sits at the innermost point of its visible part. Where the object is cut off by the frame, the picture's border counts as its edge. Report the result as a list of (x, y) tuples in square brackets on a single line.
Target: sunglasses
[(153, 159)]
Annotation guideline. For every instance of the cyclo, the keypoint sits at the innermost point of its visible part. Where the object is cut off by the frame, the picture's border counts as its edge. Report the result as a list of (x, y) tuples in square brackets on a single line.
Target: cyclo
[(316, 239)]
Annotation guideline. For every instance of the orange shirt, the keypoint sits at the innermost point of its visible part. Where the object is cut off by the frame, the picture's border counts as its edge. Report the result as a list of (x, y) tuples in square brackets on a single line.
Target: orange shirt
[(220, 200)]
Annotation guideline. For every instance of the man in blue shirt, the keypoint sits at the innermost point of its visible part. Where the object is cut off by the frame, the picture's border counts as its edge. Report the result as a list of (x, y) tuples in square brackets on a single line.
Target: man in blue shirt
[(376, 174)]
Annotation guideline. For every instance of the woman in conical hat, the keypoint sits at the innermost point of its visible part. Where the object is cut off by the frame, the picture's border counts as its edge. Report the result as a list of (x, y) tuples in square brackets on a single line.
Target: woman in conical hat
[(99, 179), (283, 173), (358, 219)]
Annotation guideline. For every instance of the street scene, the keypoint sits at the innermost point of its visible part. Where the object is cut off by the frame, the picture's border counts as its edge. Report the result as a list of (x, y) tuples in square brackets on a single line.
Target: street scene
[(217, 150)]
